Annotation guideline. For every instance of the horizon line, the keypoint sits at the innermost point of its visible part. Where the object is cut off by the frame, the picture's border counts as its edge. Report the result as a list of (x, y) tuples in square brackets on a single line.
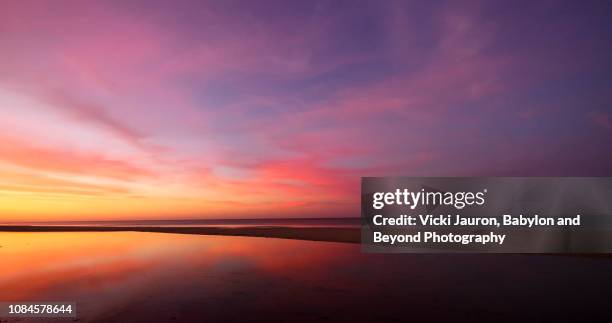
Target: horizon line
[(186, 220)]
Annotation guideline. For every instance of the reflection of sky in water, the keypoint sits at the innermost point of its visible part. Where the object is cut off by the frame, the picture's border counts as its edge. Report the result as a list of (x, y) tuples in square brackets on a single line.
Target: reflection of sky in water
[(153, 276), (105, 270)]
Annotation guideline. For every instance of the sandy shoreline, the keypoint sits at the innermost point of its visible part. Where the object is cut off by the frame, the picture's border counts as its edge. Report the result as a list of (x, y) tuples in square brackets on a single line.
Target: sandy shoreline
[(330, 234)]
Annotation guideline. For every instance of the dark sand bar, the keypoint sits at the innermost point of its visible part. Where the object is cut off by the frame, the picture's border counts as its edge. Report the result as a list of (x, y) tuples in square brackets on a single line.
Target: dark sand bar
[(332, 234)]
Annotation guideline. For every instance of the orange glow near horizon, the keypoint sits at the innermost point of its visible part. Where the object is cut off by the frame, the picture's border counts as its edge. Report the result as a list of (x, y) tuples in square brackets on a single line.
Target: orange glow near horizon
[(61, 168), (79, 171)]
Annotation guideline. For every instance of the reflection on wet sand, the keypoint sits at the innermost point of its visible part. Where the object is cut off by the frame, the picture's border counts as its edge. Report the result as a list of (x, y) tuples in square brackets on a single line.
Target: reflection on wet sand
[(105, 271), (136, 276)]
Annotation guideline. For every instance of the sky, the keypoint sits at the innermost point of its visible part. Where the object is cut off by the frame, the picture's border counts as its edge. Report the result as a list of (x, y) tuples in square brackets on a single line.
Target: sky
[(241, 109)]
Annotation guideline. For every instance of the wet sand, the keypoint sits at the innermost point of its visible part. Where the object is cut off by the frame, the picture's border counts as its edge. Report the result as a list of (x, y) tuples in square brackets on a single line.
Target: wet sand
[(332, 234), (157, 277)]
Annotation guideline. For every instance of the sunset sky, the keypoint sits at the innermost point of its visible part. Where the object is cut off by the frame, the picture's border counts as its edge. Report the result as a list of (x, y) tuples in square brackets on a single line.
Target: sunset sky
[(219, 109)]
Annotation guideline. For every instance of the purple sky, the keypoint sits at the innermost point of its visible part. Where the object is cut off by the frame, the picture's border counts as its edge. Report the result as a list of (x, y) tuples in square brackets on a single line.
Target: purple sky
[(277, 108)]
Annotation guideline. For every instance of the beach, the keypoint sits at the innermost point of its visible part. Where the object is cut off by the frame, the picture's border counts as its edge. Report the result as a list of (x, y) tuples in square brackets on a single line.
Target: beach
[(330, 234), (134, 275)]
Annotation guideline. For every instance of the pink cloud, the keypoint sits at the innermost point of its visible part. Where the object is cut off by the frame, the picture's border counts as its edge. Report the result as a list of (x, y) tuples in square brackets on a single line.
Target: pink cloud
[(30, 155)]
